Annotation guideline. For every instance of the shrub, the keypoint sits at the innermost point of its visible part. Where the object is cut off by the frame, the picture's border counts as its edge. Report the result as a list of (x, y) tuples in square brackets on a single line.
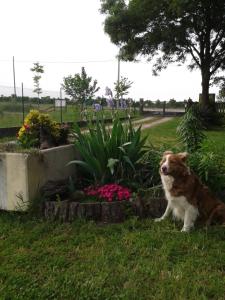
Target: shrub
[(210, 168), (109, 155), (210, 117), (190, 130), (37, 124)]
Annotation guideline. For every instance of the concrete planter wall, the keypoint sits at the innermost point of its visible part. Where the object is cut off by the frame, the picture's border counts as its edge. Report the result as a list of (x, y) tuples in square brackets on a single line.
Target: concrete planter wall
[(22, 174)]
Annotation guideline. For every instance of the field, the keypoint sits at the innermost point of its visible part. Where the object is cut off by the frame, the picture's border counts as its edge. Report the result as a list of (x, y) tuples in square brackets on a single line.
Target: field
[(139, 259), (134, 260), (165, 134), (11, 113)]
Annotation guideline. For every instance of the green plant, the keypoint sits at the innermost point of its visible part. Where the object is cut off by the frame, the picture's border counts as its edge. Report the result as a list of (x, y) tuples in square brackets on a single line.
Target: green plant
[(38, 70), (109, 154), (210, 168), (190, 129), (80, 87), (210, 117), (36, 123)]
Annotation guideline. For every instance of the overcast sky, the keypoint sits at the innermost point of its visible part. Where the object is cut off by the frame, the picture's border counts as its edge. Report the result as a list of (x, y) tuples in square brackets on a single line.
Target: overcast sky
[(65, 35)]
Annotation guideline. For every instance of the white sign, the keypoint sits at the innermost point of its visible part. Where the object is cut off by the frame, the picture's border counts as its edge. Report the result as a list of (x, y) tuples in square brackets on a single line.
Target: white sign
[(60, 103)]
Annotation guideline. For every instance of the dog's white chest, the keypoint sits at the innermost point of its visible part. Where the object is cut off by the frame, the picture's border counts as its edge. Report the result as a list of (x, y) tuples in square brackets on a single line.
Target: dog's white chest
[(178, 204)]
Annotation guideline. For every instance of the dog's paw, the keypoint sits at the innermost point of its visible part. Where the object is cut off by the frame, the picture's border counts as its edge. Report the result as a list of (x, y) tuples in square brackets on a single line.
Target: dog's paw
[(186, 229), (158, 219)]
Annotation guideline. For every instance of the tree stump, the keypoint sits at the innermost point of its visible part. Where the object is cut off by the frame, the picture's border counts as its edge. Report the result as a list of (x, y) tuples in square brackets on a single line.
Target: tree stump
[(89, 211), (155, 207), (56, 210), (113, 212), (73, 211)]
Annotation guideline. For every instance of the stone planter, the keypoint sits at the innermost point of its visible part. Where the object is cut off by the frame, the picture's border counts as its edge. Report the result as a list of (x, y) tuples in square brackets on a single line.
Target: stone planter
[(107, 212), (23, 174)]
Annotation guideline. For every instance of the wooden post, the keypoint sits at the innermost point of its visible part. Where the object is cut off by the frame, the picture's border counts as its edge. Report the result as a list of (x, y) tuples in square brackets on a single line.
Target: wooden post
[(141, 106), (22, 102), (164, 108)]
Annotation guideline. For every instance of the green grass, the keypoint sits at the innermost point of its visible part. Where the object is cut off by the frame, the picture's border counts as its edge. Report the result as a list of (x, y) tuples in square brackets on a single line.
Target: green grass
[(134, 260), (138, 259), (11, 113), (165, 134)]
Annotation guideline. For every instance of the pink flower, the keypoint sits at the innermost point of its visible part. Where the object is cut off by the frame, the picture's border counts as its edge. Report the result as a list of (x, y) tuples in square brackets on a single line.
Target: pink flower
[(109, 192)]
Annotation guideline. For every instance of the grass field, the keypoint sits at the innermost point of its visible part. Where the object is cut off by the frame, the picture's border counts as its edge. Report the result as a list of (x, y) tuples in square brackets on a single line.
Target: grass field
[(11, 113), (134, 260), (138, 259), (166, 134)]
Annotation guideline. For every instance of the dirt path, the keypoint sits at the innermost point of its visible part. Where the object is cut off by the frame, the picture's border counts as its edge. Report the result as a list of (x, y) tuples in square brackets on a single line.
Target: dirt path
[(155, 123)]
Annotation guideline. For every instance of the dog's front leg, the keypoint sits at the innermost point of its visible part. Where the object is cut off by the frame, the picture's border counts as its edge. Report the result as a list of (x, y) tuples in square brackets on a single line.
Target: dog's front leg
[(166, 214), (190, 217)]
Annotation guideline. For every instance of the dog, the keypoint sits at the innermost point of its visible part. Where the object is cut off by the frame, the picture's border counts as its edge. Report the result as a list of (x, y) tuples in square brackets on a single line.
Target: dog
[(187, 198)]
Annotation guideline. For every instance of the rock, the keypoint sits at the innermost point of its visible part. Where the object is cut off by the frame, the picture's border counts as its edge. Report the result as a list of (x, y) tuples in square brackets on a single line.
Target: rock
[(53, 189)]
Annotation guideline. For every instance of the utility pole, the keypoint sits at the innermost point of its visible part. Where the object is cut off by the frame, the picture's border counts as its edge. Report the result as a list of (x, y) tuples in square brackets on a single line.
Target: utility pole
[(14, 77), (118, 79), (60, 95), (22, 102)]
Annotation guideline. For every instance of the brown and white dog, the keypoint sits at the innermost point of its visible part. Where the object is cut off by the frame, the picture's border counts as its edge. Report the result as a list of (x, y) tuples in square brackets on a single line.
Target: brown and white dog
[(188, 199)]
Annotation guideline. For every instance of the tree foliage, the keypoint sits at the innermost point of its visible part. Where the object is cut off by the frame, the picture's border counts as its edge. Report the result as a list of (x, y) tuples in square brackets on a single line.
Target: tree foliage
[(122, 86), (38, 70), (79, 87), (191, 31)]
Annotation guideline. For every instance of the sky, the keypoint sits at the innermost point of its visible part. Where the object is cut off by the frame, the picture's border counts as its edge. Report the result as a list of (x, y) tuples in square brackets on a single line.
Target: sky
[(64, 35)]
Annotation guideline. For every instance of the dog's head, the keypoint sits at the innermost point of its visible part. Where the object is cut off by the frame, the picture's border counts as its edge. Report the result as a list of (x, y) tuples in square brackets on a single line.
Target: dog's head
[(174, 164)]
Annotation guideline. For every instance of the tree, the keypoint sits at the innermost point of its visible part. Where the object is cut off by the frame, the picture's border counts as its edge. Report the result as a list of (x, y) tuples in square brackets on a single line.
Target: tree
[(191, 31), (221, 96), (79, 87), (37, 69), (122, 86)]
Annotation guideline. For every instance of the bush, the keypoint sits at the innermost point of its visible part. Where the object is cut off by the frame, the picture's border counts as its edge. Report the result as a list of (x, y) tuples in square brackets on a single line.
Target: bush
[(210, 117), (37, 125), (190, 130), (109, 155), (210, 168)]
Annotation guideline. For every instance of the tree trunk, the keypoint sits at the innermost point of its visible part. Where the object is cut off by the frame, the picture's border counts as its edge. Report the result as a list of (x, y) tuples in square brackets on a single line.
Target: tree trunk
[(205, 89)]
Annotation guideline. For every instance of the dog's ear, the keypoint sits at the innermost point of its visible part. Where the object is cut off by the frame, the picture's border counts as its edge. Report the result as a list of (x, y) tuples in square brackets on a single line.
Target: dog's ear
[(167, 152), (183, 156)]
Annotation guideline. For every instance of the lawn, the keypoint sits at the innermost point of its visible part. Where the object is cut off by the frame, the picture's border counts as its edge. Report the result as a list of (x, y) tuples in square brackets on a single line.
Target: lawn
[(139, 259), (166, 134), (11, 113), (134, 260)]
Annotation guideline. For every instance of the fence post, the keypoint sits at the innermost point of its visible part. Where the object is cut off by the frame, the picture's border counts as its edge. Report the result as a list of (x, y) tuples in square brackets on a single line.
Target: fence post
[(164, 108), (141, 106)]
